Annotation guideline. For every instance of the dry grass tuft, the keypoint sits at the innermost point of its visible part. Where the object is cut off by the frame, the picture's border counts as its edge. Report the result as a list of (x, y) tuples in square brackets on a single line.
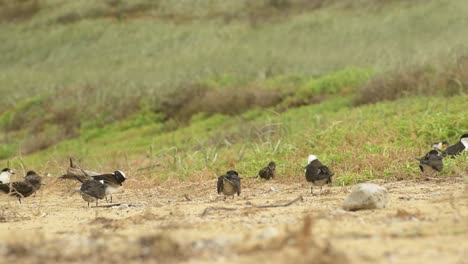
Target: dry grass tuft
[(18, 10), (423, 81), (197, 98)]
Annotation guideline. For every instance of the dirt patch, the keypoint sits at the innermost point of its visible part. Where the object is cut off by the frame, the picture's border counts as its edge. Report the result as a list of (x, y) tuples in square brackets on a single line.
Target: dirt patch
[(425, 222)]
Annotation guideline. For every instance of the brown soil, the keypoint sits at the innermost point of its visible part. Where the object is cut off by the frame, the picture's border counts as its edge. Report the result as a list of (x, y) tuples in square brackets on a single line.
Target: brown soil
[(424, 222)]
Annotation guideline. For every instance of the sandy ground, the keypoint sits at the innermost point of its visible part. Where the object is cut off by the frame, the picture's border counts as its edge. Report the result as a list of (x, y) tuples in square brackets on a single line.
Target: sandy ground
[(426, 221)]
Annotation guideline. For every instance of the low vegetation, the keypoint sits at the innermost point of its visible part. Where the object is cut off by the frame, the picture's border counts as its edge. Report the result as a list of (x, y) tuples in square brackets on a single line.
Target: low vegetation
[(188, 90)]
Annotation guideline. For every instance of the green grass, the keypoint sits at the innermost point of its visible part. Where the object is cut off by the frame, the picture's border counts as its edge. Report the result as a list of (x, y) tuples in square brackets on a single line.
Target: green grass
[(96, 79), (148, 56), (359, 143)]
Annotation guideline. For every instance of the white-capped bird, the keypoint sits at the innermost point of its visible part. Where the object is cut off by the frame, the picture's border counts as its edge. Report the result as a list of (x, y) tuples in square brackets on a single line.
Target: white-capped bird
[(317, 173), (458, 147), (113, 181), (5, 175), (21, 189)]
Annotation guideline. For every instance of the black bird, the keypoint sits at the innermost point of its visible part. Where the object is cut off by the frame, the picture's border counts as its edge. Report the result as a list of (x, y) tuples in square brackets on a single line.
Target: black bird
[(113, 182), (5, 175), (21, 189), (317, 173), (457, 148), (229, 184), (92, 190), (268, 172), (432, 161)]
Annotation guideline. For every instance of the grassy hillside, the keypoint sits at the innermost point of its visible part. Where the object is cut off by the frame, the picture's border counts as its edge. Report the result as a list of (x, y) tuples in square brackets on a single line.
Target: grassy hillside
[(359, 143), (189, 88)]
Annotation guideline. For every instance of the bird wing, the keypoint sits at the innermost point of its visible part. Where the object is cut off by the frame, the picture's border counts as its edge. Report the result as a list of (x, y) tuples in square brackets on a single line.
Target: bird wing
[(325, 171), (219, 185), (107, 178), (454, 150), (23, 189), (94, 188), (5, 188)]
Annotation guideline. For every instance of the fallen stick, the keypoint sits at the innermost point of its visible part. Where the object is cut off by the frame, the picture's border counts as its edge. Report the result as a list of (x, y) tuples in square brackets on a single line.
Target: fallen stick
[(209, 209), (299, 198), (114, 205), (76, 171)]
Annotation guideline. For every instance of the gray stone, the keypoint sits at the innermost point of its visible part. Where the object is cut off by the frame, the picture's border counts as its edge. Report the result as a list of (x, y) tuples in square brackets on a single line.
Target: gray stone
[(366, 196)]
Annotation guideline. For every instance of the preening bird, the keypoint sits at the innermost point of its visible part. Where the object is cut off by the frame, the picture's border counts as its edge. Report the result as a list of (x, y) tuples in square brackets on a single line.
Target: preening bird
[(268, 172), (229, 184), (317, 173), (21, 189), (457, 148), (5, 175), (431, 162)]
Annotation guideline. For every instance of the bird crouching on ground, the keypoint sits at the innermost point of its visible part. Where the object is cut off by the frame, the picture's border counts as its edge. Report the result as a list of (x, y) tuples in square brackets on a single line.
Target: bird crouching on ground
[(5, 175), (457, 148), (317, 173), (113, 181), (431, 162), (21, 189), (268, 172), (229, 184), (92, 190)]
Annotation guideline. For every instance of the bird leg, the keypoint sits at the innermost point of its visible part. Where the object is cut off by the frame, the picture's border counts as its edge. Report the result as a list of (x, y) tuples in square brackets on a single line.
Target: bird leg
[(111, 198), (88, 204), (96, 202), (19, 199), (106, 198), (312, 190)]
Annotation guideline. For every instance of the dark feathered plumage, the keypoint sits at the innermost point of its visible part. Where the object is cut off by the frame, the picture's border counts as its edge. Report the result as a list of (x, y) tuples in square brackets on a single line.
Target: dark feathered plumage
[(268, 172), (457, 148), (229, 184), (317, 173), (32, 182), (431, 160), (113, 181), (92, 190)]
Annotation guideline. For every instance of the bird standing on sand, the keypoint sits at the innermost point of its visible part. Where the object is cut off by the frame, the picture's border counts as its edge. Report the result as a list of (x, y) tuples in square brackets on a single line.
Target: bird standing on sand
[(458, 147), (92, 190), (268, 172), (431, 162), (5, 175), (317, 173), (21, 189), (229, 184), (113, 181)]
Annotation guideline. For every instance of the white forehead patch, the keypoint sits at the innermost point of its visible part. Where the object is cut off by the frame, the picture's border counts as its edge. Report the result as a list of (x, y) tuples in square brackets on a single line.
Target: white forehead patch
[(311, 158), (464, 141), (123, 174)]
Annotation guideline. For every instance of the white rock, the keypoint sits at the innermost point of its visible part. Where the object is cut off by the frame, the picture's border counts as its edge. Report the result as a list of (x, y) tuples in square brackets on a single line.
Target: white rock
[(123, 206), (366, 196), (272, 189), (268, 233)]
